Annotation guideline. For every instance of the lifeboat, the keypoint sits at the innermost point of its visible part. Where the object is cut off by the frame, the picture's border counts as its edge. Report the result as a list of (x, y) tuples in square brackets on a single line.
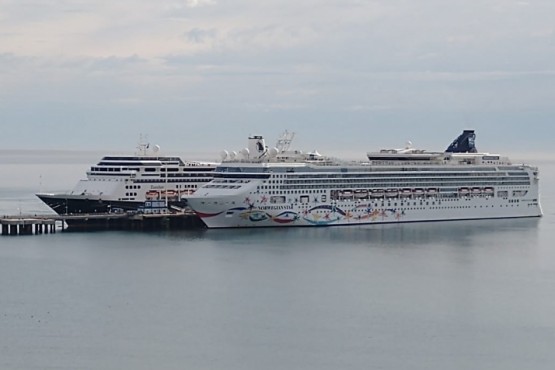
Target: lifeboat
[(432, 192), (405, 193), (488, 191), (476, 191), (377, 193), (418, 192), (345, 194), (152, 194), (464, 191), (361, 193), (169, 194), (391, 193)]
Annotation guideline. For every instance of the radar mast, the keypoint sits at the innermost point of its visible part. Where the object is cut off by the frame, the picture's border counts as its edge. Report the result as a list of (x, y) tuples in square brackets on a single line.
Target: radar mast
[(284, 141), (142, 145)]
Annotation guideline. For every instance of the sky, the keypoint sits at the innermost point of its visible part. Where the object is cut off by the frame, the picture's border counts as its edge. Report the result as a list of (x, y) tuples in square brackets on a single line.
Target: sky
[(347, 76)]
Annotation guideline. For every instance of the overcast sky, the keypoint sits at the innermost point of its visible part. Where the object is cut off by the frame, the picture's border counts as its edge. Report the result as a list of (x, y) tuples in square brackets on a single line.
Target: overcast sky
[(345, 75)]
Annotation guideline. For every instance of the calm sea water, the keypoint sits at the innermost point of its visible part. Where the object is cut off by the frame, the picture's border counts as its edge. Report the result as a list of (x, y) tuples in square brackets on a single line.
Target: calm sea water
[(451, 295)]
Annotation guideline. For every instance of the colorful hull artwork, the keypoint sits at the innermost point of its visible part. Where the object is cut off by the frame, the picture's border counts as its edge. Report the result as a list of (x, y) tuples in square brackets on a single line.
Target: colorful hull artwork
[(321, 215)]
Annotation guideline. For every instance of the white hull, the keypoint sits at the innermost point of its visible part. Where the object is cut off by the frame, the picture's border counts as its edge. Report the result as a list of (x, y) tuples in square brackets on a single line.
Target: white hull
[(251, 211), (292, 188)]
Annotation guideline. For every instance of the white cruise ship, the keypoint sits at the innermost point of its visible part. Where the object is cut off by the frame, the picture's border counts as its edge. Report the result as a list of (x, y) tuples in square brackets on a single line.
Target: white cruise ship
[(125, 182), (263, 187)]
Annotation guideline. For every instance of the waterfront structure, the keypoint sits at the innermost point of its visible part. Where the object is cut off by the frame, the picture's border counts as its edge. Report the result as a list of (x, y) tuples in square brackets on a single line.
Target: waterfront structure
[(263, 187)]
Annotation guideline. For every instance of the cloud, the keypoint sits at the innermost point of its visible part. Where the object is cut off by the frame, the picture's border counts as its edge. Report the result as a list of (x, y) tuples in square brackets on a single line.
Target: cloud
[(199, 3), (200, 36), (263, 62), (112, 63), (378, 33)]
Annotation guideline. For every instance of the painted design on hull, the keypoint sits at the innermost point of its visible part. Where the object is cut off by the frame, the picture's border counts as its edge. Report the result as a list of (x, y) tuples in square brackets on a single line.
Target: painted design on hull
[(321, 215), (359, 214), (286, 217), (257, 215), (332, 214), (208, 215)]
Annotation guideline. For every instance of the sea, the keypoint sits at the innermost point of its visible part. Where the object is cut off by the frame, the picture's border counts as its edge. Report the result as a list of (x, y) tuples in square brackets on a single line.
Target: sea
[(444, 295)]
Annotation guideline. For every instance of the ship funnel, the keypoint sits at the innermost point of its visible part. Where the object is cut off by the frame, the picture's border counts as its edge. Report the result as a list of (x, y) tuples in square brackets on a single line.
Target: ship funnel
[(465, 143), (257, 147)]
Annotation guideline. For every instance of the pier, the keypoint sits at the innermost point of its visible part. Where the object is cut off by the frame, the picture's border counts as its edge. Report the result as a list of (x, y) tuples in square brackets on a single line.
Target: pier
[(27, 225), (49, 224)]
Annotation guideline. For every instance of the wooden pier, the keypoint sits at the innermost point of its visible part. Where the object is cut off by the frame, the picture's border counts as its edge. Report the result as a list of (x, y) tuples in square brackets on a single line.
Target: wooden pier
[(45, 224)]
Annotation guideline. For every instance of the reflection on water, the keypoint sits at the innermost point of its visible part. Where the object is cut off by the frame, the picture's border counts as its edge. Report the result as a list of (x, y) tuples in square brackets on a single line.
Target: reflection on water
[(399, 235)]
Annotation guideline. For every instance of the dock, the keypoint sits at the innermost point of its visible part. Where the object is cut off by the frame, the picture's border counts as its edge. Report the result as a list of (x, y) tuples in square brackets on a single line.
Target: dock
[(49, 224), (27, 225)]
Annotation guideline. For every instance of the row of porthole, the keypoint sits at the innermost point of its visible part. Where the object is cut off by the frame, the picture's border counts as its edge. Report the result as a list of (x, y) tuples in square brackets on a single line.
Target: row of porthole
[(290, 191), (422, 208)]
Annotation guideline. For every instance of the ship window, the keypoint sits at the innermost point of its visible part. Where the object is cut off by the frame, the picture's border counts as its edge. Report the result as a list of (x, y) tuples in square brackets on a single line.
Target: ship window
[(277, 199)]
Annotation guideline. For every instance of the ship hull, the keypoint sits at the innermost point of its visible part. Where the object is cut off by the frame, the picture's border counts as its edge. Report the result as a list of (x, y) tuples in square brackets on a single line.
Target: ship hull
[(70, 204), (361, 212)]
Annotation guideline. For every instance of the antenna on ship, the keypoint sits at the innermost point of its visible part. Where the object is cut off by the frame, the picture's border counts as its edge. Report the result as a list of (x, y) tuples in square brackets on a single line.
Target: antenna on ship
[(143, 145), (284, 141)]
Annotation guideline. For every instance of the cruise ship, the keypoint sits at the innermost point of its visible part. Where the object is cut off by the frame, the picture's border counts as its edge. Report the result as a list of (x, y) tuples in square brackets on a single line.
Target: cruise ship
[(124, 182), (266, 187)]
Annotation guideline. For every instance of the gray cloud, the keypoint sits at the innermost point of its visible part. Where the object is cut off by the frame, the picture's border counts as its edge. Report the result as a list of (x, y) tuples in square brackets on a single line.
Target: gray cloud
[(200, 36), (315, 66)]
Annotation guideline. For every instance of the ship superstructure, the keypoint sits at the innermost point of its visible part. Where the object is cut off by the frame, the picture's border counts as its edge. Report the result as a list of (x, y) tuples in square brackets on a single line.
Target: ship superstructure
[(124, 182), (265, 187)]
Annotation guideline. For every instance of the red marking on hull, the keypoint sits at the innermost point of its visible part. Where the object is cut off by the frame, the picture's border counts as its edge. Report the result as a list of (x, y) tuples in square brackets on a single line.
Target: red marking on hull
[(207, 215)]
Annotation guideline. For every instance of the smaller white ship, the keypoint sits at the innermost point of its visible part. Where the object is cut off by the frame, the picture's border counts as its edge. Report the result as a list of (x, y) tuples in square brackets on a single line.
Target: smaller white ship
[(124, 182)]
